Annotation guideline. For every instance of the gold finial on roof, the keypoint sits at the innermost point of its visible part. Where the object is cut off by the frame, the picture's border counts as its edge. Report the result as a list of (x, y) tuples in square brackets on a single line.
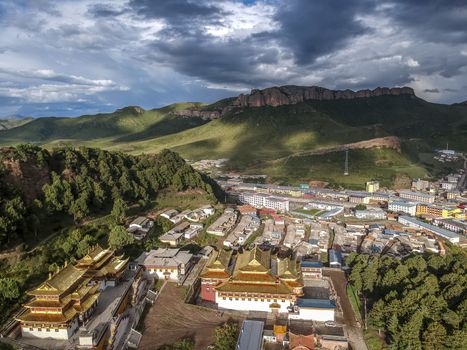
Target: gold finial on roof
[(50, 275)]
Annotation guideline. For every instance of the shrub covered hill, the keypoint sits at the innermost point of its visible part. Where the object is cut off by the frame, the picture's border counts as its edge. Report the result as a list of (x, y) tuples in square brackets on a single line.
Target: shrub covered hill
[(38, 186), (276, 130)]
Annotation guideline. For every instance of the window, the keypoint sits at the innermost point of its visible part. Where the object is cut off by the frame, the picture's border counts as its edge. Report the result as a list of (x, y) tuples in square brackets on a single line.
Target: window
[(31, 329), (230, 299), (223, 298), (249, 299), (56, 329), (48, 329), (39, 329), (236, 298), (275, 300)]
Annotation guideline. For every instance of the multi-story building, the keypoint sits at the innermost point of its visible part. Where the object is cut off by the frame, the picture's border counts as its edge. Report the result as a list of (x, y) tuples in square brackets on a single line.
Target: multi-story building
[(420, 185), (448, 186), (311, 270), (262, 200), (372, 186), (69, 296), (438, 210), (452, 225), (438, 231), (370, 214), (417, 196), (403, 207)]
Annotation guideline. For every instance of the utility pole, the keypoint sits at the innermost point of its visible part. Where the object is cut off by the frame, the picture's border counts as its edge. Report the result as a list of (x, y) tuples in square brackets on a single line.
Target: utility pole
[(346, 164)]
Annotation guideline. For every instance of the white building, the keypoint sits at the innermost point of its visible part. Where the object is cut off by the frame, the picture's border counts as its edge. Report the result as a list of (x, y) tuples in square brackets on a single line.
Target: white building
[(170, 264), (370, 214), (403, 207), (140, 226), (438, 231), (314, 309), (417, 196), (262, 200)]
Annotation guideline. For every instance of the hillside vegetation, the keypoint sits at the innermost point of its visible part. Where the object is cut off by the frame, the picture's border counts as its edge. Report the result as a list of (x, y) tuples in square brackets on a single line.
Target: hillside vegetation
[(255, 139), (418, 302), (37, 186)]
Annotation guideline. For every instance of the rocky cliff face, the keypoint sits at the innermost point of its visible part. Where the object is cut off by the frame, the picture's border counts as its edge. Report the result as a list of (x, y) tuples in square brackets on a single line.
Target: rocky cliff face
[(195, 113), (291, 94)]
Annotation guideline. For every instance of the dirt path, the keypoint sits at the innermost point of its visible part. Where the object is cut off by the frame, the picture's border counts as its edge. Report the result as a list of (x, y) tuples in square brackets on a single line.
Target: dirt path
[(170, 319), (382, 142), (354, 333)]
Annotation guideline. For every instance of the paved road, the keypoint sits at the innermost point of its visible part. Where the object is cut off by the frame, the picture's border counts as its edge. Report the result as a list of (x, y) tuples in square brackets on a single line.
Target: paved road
[(354, 332)]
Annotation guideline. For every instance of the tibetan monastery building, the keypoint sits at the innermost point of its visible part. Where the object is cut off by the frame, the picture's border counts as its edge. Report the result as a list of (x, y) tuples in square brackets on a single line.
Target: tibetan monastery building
[(68, 298), (259, 282)]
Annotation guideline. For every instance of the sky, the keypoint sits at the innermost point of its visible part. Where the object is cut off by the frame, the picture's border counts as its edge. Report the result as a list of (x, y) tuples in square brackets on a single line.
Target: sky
[(74, 57)]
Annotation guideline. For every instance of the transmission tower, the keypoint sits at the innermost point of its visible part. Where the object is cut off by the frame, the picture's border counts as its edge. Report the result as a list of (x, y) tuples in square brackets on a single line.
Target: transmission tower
[(346, 164)]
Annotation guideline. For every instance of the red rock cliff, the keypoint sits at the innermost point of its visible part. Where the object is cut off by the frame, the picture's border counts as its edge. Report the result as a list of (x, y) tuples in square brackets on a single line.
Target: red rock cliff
[(291, 94)]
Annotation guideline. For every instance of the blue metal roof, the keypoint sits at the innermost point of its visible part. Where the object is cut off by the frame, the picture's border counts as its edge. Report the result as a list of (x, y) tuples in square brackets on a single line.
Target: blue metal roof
[(316, 303), (335, 256), (251, 335), (311, 264)]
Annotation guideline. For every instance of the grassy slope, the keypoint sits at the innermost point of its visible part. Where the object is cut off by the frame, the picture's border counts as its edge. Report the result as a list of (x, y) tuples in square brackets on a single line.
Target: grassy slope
[(255, 138), (13, 123)]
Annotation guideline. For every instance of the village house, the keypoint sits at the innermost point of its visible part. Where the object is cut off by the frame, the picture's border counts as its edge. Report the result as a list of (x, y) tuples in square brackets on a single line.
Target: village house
[(166, 263), (140, 227)]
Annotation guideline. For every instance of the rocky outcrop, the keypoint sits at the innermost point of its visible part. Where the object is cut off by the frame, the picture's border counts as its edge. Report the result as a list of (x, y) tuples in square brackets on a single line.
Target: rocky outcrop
[(288, 95), (195, 113), (291, 94), (27, 176)]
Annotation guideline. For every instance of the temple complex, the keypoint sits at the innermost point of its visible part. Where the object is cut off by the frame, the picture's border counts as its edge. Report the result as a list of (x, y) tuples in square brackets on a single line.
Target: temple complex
[(259, 281), (69, 296)]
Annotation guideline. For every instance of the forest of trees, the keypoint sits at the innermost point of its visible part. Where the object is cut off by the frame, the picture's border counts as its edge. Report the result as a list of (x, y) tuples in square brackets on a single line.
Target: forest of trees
[(87, 181), (419, 302)]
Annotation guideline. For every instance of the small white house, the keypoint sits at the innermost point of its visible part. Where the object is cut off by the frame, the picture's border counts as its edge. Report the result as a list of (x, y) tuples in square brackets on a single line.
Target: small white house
[(193, 231), (168, 214), (140, 226), (170, 264)]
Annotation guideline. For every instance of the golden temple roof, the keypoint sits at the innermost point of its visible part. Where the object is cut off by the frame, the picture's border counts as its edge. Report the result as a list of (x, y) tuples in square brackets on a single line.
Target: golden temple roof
[(255, 260), (52, 318), (279, 288), (60, 282), (218, 265)]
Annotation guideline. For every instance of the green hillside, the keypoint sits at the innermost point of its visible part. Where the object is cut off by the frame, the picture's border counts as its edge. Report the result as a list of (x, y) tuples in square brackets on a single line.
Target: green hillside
[(253, 139)]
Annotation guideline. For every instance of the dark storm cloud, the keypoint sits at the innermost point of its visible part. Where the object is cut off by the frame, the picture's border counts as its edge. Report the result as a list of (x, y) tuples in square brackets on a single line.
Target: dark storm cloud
[(432, 20), (306, 30), (104, 10), (176, 12), (231, 61), (315, 28)]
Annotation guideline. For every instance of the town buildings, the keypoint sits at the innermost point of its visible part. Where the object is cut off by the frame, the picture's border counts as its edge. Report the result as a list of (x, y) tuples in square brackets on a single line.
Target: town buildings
[(69, 296), (224, 223)]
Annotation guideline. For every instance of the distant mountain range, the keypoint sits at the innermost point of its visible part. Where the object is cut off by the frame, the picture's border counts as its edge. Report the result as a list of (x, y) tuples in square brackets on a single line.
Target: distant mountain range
[(13, 121), (275, 131)]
